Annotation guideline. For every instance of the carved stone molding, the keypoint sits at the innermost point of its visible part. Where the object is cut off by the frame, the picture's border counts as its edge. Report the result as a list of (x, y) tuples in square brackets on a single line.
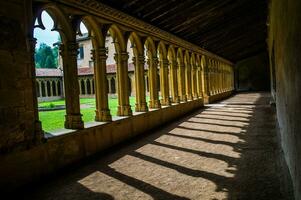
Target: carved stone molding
[(115, 16)]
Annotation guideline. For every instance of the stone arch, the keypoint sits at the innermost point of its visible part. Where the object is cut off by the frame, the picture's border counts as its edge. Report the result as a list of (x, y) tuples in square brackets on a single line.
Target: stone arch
[(113, 85), (94, 30), (162, 52), (118, 38), (82, 85), (180, 56), (54, 93), (151, 47), (89, 89), (135, 39), (43, 89), (59, 92), (171, 53), (186, 57), (48, 88), (61, 22)]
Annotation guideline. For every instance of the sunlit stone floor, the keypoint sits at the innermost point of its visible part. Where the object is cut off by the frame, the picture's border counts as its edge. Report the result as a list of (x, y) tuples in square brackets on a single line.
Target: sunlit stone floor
[(226, 151)]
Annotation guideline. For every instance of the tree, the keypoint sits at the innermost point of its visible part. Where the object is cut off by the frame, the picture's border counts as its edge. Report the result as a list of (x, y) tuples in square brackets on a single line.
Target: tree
[(46, 57)]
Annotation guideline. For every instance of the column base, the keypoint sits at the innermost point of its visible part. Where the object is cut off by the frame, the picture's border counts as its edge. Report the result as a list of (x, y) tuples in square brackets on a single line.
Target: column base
[(176, 99), (189, 97), (142, 107), (183, 98), (124, 111), (165, 102), (195, 96), (74, 121), (103, 116), (154, 104)]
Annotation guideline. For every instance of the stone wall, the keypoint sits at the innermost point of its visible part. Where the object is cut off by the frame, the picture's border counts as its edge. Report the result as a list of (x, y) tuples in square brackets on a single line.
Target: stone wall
[(252, 74), (285, 58), (17, 96)]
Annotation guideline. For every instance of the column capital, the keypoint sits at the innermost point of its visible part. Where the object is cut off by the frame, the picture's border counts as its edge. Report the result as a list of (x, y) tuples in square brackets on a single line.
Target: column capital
[(100, 53), (122, 56), (155, 60), (70, 48), (165, 62)]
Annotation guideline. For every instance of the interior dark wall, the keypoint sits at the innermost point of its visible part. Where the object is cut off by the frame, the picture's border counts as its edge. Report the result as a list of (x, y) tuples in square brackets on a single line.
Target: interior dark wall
[(285, 57), (253, 74)]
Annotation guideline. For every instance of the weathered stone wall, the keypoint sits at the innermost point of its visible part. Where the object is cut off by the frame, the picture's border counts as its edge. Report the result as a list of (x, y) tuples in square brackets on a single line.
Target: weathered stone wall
[(17, 121), (285, 57), (253, 73)]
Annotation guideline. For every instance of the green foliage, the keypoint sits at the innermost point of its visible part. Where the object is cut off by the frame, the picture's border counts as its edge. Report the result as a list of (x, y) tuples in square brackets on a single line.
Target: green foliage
[(52, 120), (46, 57)]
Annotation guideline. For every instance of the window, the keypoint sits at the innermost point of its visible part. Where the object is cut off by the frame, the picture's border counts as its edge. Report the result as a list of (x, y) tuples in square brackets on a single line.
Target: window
[(80, 54)]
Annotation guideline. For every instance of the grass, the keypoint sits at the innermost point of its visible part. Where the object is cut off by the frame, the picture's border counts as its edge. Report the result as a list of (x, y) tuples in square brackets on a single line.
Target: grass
[(52, 120)]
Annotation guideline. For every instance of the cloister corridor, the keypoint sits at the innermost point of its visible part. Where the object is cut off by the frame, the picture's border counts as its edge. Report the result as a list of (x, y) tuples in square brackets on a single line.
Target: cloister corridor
[(223, 151)]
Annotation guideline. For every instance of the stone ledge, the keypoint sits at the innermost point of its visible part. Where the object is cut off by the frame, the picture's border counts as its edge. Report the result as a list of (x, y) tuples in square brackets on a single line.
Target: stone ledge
[(64, 149)]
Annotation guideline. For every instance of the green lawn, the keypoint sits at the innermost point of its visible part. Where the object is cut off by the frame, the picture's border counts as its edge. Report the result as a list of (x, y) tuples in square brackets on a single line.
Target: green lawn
[(52, 120)]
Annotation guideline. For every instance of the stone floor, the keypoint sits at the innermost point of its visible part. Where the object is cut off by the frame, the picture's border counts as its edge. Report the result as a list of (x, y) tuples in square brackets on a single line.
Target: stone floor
[(226, 151)]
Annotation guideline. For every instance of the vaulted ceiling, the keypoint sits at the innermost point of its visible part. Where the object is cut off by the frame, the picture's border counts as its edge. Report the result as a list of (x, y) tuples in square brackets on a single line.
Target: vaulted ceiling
[(233, 29)]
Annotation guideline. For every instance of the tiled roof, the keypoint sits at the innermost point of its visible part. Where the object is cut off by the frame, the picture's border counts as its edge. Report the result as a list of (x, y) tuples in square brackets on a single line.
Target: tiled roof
[(48, 72), (40, 72)]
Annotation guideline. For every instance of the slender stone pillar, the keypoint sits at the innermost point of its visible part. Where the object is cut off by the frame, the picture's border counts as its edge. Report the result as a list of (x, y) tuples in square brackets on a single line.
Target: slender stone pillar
[(199, 82), (210, 80), (86, 88), (124, 108), (154, 101), (46, 90), (181, 82), (141, 105), (194, 82), (164, 83), (109, 79), (188, 81), (40, 89), (73, 117), (206, 80), (80, 87), (174, 81), (102, 112)]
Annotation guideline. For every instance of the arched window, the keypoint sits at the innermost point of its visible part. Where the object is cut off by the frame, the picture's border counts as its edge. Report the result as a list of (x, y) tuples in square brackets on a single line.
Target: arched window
[(88, 86), (54, 93), (82, 85), (43, 89), (48, 88), (47, 60), (113, 88), (59, 93)]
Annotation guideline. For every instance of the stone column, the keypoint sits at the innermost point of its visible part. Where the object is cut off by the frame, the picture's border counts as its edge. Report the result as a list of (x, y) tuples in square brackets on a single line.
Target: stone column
[(188, 81), (124, 108), (46, 90), (199, 82), (38, 133), (154, 101), (80, 87), (141, 105), (40, 89), (174, 81), (181, 82), (194, 81), (102, 112), (51, 89), (73, 117), (165, 101), (109, 84), (86, 88)]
